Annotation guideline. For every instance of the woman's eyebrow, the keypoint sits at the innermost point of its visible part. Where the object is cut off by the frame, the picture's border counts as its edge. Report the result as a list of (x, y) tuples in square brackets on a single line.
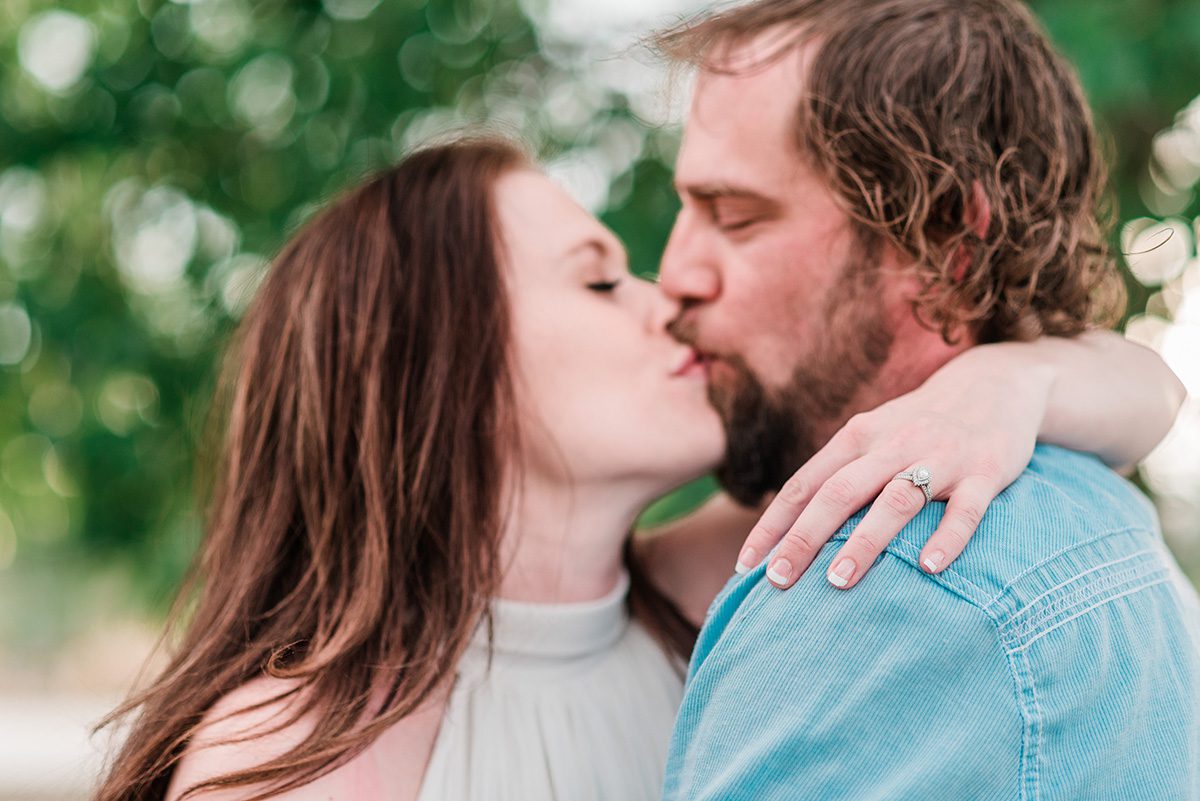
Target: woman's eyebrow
[(601, 249)]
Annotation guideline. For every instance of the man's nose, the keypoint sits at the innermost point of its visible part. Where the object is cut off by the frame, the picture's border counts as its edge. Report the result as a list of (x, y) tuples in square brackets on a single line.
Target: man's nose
[(663, 310), (688, 271)]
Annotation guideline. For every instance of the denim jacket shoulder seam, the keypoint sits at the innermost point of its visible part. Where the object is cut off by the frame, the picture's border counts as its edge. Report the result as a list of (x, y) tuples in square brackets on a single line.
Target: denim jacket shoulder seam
[(1115, 578), (1109, 566), (1029, 635), (948, 579), (1008, 585)]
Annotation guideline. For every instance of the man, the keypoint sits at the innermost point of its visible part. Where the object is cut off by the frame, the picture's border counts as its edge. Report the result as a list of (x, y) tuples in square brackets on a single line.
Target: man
[(869, 188)]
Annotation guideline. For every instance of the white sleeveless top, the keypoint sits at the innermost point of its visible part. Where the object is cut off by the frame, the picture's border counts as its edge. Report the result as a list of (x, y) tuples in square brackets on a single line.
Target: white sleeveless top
[(577, 705)]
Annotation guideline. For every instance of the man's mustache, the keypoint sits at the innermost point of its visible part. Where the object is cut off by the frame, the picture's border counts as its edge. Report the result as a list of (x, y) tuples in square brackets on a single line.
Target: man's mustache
[(683, 329)]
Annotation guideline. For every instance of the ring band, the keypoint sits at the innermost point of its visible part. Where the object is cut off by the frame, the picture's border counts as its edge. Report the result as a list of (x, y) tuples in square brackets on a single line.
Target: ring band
[(920, 477)]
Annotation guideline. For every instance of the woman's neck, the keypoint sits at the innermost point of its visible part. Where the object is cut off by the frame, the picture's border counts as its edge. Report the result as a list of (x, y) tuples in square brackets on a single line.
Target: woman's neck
[(564, 547)]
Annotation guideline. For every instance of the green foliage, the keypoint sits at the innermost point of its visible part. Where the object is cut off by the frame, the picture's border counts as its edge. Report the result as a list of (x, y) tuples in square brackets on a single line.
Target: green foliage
[(140, 204), (1139, 63)]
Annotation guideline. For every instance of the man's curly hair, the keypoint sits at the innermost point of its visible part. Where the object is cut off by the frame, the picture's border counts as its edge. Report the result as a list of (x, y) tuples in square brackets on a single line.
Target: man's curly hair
[(921, 113)]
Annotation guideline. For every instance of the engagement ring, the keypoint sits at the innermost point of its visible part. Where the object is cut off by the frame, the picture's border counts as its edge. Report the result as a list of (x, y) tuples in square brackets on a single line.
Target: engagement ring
[(920, 477)]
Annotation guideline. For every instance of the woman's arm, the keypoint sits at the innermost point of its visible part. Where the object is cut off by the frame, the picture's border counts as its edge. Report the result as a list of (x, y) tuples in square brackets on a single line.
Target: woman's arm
[(1110, 396), (977, 419)]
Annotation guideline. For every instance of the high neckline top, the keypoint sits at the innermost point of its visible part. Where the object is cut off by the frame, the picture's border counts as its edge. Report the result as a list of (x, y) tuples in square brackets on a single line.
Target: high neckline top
[(554, 631), (572, 701)]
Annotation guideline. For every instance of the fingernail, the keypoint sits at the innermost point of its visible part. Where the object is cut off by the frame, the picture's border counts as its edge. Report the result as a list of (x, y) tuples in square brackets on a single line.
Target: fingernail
[(780, 571), (841, 573), (933, 562), (747, 559)]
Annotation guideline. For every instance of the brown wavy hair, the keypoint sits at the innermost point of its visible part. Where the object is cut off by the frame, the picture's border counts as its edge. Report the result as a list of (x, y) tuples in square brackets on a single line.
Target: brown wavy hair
[(911, 110), (352, 537)]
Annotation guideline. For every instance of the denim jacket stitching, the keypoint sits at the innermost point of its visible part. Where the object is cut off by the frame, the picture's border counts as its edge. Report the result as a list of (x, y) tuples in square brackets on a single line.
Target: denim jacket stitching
[(1033, 603), (949, 579), (1012, 632), (1031, 734), (1130, 591), (1069, 601), (1051, 557)]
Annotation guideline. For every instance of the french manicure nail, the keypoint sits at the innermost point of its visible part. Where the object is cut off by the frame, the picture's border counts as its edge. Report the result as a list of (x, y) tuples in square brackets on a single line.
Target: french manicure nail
[(933, 562), (841, 573), (747, 559), (780, 571)]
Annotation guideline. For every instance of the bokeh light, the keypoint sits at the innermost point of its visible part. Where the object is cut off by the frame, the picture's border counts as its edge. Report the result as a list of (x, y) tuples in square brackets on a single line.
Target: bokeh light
[(56, 48), (1161, 254)]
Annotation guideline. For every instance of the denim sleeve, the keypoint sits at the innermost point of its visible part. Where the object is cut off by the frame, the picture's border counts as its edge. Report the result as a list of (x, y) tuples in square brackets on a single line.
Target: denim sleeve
[(898, 688)]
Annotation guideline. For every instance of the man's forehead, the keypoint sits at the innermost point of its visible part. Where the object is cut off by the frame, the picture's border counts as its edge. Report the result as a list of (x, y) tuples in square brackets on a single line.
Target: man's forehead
[(742, 123)]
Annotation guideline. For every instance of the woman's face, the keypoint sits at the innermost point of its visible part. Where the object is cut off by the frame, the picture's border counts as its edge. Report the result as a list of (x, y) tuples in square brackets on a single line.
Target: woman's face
[(605, 395)]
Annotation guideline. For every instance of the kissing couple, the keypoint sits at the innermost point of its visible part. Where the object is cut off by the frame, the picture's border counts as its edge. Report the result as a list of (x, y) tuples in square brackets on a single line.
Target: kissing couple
[(877, 319)]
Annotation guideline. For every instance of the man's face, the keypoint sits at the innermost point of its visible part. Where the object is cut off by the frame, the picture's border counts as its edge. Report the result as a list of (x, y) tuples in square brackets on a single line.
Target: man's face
[(776, 287)]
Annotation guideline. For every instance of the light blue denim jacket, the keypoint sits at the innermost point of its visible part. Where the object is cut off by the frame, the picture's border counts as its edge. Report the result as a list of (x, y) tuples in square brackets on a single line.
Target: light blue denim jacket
[(1058, 658)]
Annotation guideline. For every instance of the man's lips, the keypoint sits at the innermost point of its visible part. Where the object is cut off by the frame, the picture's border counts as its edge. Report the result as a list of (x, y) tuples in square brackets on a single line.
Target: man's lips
[(692, 362)]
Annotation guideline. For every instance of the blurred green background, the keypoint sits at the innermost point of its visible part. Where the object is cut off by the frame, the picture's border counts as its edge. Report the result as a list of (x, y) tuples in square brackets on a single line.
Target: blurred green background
[(153, 155)]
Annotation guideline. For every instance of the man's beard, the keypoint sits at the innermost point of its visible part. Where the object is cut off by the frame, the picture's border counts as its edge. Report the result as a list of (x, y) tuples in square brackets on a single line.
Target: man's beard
[(771, 432)]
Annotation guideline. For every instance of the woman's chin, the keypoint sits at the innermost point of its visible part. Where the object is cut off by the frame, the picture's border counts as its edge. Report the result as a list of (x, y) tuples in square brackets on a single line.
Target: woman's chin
[(688, 470)]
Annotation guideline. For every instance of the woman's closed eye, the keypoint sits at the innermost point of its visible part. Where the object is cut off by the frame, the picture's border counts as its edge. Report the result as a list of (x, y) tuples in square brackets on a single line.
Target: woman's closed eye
[(603, 286)]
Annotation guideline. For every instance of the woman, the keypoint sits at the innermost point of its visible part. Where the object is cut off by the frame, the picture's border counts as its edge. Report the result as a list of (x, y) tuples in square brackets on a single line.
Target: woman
[(449, 403)]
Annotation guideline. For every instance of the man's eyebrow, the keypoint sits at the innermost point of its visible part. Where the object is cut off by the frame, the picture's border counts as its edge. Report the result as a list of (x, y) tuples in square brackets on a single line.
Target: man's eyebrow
[(710, 192)]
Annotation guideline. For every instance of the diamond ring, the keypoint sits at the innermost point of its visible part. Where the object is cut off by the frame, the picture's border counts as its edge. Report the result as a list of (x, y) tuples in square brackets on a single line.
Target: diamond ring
[(920, 477)]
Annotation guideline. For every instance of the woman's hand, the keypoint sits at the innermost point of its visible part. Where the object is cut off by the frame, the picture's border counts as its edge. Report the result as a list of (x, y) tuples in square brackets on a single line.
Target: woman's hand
[(973, 425)]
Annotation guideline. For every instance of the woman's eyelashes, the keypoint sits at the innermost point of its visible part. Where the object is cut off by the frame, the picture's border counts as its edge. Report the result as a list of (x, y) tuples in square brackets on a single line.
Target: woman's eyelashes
[(603, 286)]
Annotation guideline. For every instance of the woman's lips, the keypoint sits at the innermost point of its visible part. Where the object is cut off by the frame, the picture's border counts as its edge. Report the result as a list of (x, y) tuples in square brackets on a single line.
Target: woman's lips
[(693, 363)]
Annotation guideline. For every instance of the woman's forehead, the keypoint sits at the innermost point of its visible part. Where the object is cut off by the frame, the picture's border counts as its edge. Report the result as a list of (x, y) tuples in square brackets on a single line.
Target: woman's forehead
[(535, 212)]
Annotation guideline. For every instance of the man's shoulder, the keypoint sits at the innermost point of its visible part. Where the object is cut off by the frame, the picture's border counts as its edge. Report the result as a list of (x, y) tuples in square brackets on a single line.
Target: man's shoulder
[(1067, 566), (1067, 525), (1066, 513)]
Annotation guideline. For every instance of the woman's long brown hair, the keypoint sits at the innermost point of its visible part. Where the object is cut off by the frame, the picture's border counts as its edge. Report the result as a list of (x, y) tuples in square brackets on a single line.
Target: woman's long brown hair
[(352, 537)]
